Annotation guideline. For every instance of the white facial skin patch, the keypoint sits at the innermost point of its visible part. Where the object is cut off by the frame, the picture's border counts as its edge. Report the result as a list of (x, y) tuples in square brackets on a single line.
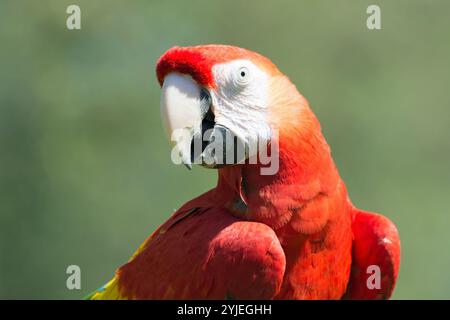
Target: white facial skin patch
[(240, 100)]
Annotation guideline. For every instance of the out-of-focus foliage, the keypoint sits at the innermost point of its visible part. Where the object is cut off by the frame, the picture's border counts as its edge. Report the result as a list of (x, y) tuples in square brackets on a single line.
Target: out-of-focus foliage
[(85, 170)]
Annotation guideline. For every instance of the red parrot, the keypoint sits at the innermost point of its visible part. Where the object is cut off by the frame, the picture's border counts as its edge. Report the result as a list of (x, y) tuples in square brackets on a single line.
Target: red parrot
[(289, 234)]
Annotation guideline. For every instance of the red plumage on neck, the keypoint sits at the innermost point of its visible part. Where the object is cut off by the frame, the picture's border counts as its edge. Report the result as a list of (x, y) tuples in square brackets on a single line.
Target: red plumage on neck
[(306, 169)]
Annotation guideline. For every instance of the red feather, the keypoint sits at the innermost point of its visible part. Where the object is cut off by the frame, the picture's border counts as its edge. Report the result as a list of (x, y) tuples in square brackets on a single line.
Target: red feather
[(376, 243), (208, 254)]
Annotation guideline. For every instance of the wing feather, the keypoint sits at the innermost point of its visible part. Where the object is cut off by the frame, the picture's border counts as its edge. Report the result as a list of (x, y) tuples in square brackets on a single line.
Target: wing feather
[(376, 243)]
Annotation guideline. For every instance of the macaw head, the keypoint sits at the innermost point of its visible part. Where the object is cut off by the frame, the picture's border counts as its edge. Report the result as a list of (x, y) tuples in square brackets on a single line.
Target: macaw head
[(229, 97), (214, 94)]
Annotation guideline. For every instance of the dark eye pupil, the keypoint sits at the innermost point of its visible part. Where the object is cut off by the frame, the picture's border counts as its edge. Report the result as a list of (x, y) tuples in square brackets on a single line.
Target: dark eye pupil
[(242, 74)]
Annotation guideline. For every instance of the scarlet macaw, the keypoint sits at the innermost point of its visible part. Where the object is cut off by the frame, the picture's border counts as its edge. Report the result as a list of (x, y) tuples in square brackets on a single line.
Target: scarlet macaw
[(289, 235)]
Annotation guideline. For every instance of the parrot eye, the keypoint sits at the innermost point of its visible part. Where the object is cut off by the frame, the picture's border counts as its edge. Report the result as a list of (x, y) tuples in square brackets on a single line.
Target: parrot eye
[(243, 75)]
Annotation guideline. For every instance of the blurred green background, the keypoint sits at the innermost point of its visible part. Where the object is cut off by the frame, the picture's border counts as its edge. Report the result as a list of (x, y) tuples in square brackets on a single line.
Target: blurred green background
[(85, 169)]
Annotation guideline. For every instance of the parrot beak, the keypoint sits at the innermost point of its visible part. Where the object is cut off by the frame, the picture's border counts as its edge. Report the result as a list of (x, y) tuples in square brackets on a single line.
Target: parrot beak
[(184, 105), (186, 111)]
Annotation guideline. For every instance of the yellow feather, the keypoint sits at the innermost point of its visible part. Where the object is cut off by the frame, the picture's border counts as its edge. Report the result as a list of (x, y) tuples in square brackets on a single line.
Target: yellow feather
[(109, 291)]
